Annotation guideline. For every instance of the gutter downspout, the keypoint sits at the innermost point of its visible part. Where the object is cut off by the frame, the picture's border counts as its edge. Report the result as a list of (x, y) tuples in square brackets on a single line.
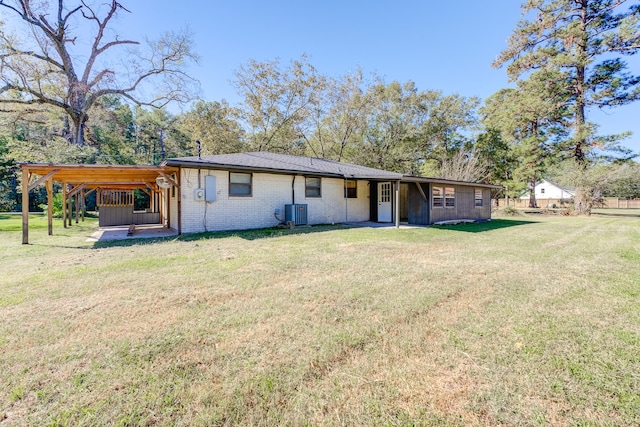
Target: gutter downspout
[(346, 199), (179, 195)]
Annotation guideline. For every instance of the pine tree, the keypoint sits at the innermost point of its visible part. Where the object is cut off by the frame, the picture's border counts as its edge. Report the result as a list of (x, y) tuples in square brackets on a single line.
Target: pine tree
[(584, 40), (532, 119)]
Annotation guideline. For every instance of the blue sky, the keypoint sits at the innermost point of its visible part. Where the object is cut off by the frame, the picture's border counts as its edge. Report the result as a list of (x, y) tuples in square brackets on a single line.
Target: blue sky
[(440, 45)]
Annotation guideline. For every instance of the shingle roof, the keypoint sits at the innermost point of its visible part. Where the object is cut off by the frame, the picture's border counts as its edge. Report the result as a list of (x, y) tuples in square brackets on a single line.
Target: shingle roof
[(283, 163)]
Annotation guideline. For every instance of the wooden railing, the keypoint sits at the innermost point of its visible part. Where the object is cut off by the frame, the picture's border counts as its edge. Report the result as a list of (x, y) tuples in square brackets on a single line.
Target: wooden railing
[(115, 198)]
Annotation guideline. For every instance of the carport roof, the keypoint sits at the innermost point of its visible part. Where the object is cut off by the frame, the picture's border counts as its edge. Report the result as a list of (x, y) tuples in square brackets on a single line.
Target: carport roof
[(111, 176)]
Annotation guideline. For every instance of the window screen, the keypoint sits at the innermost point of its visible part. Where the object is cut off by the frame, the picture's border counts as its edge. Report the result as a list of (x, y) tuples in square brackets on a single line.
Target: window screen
[(239, 184), (437, 197), (312, 186), (449, 197)]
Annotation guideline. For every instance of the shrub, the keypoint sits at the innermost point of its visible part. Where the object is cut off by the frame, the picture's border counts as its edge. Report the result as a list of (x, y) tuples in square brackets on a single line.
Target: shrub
[(510, 210), (57, 206)]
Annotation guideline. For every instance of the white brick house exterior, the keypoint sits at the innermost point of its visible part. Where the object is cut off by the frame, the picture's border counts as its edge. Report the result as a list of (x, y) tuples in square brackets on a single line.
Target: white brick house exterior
[(270, 192), (250, 190)]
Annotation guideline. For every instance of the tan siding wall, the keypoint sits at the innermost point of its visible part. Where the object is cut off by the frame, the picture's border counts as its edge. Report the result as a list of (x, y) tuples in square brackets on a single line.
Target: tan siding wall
[(465, 205), (270, 192)]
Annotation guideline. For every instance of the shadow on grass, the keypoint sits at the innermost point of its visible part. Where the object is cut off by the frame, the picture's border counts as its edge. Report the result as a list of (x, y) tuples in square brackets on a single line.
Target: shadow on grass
[(262, 233), (265, 233), (629, 213), (479, 227)]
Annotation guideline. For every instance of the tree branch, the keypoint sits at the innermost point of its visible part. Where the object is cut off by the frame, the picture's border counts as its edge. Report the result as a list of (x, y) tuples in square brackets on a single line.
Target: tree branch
[(16, 52), (95, 49)]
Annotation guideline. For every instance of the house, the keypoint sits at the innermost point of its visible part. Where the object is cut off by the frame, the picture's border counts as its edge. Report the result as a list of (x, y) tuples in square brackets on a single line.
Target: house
[(547, 190), (262, 189), (257, 190)]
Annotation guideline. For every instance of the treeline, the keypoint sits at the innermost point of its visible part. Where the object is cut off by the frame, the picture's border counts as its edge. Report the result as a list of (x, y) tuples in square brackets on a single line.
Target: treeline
[(292, 108)]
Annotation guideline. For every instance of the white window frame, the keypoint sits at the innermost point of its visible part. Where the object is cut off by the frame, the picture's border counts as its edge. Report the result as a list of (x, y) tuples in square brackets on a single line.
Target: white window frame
[(231, 184), (312, 188)]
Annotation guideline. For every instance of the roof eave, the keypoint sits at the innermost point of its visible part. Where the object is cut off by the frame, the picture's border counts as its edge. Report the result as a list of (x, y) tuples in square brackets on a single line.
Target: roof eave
[(410, 178), (234, 167)]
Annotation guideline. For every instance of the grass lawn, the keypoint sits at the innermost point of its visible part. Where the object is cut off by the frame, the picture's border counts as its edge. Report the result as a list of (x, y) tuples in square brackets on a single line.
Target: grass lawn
[(529, 320)]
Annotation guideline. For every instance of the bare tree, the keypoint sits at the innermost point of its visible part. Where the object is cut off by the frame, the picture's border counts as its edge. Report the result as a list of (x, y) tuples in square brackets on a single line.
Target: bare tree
[(349, 105), (278, 103), (464, 166), (44, 67)]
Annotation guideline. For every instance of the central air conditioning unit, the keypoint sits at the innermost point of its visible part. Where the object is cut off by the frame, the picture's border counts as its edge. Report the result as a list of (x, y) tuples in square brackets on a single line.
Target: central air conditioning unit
[(199, 194), (296, 213)]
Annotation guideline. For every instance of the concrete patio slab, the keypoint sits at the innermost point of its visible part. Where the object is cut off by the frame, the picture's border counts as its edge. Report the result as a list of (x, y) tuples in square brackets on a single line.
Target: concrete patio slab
[(146, 231)]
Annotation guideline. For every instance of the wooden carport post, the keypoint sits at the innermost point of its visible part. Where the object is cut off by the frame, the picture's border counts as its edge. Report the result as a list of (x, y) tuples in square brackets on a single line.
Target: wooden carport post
[(49, 185), (84, 206), (26, 175), (70, 216), (397, 204), (64, 204)]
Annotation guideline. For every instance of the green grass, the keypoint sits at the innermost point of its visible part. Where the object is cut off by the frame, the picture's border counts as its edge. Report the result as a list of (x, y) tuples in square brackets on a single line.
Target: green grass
[(13, 222), (530, 320)]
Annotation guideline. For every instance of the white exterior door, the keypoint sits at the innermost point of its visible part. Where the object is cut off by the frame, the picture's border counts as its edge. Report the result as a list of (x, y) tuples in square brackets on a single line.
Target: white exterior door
[(384, 202)]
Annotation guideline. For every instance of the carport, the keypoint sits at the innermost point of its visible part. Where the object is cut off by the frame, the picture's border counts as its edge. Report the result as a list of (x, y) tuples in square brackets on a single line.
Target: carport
[(113, 183)]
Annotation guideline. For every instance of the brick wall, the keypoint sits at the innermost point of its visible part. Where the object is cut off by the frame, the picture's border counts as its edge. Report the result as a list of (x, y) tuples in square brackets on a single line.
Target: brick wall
[(269, 192)]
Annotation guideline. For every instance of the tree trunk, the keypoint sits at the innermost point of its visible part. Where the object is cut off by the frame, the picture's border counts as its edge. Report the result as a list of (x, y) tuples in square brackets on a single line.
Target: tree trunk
[(584, 200), (532, 194), (584, 191), (580, 119), (79, 124)]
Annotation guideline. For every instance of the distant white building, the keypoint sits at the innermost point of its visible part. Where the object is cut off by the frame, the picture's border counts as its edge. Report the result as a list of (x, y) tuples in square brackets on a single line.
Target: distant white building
[(550, 190)]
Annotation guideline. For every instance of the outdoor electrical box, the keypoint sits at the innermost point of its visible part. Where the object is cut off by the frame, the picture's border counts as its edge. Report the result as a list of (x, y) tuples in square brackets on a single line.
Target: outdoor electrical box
[(199, 194), (210, 187), (296, 213)]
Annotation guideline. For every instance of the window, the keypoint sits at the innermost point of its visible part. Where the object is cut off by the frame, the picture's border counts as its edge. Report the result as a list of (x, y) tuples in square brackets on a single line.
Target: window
[(239, 184), (478, 198), (385, 192), (542, 191), (437, 197), (350, 189), (312, 186), (449, 197)]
